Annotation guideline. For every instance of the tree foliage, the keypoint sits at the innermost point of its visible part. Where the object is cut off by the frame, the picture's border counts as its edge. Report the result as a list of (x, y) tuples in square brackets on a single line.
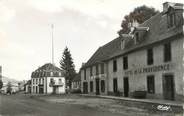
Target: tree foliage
[(1, 84), (139, 14), (68, 66)]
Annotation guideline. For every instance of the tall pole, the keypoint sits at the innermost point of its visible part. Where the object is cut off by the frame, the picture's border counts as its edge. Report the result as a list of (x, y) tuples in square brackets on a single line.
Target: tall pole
[(52, 27)]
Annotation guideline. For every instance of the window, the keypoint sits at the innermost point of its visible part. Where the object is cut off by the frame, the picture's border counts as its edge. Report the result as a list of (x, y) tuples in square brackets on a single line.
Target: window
[(171, 19), (91, 86), (97, 71), (102, 86), (60, 81), (150, 84), (125, 62), (84, 74), (114, 66), (150, 56), (51, 74), (167, 52), (136, 37), (91, 71), (102, 68)]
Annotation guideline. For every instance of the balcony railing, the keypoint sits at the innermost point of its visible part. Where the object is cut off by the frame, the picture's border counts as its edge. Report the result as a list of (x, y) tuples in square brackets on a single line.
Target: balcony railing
[(52, 84)]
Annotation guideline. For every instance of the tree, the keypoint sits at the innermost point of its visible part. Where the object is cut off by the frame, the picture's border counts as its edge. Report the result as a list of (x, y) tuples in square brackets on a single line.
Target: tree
[(1, 84), (68, 67), (139, 14), (9, 88)]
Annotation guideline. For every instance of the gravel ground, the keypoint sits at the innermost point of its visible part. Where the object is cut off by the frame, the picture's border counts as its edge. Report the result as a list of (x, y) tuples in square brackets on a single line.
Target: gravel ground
[(113, 106)]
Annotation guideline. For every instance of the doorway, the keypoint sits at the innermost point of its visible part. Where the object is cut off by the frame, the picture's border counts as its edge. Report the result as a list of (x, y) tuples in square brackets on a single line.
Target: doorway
[(85, 87), (168, 87), (97, 86), (126, 86), (115, 85)]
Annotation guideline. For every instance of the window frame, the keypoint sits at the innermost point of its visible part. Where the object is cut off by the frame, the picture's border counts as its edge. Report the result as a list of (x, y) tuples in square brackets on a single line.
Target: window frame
[(125, 62), (115, 67), (167, 52), (150, 56)]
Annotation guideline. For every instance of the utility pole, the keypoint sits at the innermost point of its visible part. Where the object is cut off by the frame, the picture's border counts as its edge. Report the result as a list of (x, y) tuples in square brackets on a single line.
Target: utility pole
[(52, 27)]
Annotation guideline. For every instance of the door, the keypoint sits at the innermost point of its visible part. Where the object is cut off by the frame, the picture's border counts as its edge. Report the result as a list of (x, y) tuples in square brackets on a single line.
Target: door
[(41, 89), (126, 86), (85, 87), (97, 87), (168, 87), (115, 85)]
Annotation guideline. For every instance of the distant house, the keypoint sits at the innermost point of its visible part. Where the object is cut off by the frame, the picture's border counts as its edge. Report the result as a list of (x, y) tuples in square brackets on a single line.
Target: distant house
[(27, 87), (14, 88), (148, 59), (48, 79), (76, 82)]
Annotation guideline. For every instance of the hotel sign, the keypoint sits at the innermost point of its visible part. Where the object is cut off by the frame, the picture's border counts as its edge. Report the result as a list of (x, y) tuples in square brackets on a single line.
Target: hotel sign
[(150, 69)]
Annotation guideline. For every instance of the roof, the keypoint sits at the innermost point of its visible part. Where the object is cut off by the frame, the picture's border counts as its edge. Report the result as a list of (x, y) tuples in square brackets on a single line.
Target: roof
[(103, 52), (156, 31), (46, 69)]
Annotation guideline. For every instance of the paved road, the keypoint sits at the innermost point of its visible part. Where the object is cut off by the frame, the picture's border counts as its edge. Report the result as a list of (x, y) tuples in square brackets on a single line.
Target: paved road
[(23, 105)]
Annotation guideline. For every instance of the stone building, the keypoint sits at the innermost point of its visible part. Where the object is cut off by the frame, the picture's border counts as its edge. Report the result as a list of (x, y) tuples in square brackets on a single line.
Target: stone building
[(148, 59), (48, 79)]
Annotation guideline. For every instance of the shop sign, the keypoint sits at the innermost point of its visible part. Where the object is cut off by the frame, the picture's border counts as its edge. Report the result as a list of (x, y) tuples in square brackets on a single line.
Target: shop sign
[(156, 68)]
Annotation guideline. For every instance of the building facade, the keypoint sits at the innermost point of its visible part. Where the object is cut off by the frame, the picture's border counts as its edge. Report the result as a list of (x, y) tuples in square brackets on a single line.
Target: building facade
[(149, 59), (48, 79), (76, 82)]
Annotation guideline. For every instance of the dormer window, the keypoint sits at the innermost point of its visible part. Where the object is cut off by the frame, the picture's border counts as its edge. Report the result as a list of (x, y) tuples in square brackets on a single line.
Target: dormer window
[(171, 19), (136, 37), (122, 44)]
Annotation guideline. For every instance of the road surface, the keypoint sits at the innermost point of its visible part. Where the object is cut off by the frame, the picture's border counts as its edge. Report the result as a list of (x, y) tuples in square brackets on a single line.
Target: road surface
[(24, 105)]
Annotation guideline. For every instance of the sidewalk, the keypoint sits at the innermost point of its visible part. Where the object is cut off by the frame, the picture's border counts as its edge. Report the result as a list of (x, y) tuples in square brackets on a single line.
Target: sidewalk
[(150, 104)]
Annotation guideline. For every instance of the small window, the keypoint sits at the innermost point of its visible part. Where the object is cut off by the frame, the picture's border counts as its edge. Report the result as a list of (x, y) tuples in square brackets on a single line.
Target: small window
[(84, 74), (150, 84), (91, 71), (167, 52), (91, 86), (102, 86), (125, 62), (97, 71), (114, 65), (171, 18), (102, 68), (150, 56)]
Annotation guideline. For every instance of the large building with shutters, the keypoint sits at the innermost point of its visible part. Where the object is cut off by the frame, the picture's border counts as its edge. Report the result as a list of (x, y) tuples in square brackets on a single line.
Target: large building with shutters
[(47, 79), (149, 59)]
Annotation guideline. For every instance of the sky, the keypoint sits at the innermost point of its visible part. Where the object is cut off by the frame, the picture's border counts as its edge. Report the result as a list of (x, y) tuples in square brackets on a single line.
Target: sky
[(81, 25)]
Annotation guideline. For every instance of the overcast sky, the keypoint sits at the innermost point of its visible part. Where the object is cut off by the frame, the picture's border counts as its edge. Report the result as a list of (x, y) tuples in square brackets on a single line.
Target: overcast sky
[(81, 25)]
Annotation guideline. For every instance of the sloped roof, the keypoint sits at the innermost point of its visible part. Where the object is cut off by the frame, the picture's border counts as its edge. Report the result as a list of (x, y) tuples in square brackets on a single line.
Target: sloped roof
[(158, 31), (46, 69), (104, 52)]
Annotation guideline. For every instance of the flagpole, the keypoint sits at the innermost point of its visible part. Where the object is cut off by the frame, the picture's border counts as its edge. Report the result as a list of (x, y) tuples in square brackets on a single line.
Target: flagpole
[(52, 27)]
